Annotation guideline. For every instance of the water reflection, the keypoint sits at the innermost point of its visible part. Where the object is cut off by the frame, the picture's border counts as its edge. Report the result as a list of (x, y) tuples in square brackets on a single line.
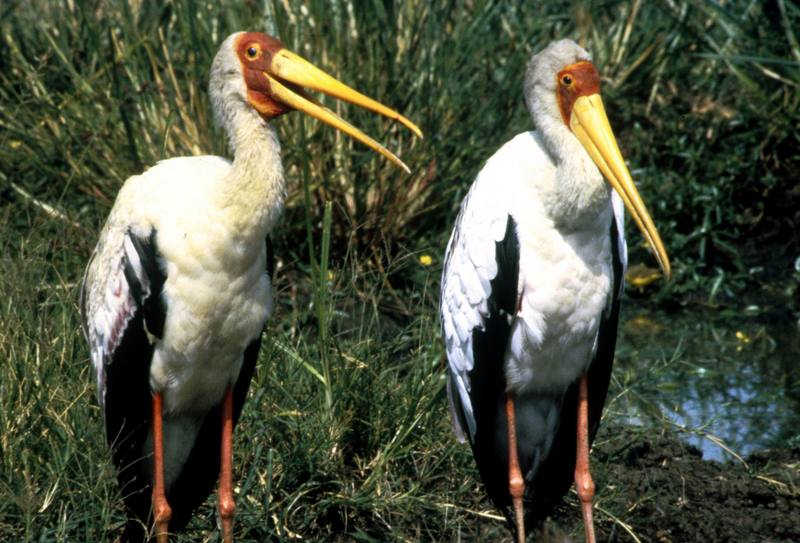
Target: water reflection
[(713, 375)]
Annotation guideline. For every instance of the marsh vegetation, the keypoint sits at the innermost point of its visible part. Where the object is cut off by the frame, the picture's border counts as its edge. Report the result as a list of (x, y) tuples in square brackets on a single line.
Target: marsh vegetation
[(346, 434)]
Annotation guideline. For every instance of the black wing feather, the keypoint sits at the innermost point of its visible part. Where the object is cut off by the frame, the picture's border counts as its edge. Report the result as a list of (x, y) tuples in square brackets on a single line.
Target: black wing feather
[(128, 407), (148, 297), (487, 378), (270, 259), (549, 477)]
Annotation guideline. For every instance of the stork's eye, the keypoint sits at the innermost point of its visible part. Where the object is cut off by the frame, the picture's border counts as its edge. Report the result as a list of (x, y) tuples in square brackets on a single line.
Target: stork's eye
[(252, 52), (566, 80)]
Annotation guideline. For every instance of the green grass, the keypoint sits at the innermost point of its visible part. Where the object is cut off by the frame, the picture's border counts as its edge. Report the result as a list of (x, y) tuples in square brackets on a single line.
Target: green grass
[(346, 432)]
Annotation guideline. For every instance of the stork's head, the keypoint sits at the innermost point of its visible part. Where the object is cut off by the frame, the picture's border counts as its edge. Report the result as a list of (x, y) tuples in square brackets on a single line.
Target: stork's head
[(254, 71), (562, 92)]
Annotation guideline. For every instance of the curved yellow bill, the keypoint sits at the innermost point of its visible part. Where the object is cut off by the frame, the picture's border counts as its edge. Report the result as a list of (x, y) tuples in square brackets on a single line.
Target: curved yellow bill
[(325, 115), (589, 123), (294, 69)]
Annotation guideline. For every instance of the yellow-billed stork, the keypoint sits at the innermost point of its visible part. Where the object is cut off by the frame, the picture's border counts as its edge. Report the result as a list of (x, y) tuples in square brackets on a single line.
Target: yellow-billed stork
[(177, 291), (530, 292)]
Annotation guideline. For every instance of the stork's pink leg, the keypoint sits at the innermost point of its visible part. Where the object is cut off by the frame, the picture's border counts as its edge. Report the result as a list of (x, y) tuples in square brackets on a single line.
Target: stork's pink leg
[(516, 484), (226, 504), (161, 509), (583, 479)]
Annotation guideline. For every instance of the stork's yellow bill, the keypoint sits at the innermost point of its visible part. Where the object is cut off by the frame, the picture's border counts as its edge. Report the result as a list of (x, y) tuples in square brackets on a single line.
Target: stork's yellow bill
[(582, 108), (275, 78)]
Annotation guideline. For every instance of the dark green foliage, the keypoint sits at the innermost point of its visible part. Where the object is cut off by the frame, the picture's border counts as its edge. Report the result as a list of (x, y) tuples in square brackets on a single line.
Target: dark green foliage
[(346, 432)]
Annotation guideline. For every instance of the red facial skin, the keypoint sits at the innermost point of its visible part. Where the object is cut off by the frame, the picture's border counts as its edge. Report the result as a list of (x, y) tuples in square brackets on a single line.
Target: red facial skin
[(574, 81), (255, 51)]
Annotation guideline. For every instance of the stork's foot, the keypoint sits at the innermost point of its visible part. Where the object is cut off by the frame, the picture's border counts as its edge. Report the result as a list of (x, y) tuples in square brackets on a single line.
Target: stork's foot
[(583, 478), (227, 506), (516, 484)]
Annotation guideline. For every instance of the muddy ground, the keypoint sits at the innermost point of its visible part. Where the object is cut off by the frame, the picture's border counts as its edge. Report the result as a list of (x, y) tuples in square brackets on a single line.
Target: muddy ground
[(660, 489)]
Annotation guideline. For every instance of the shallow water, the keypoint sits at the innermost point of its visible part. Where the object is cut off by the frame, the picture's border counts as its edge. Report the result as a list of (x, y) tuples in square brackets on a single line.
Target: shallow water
[(723, 379)]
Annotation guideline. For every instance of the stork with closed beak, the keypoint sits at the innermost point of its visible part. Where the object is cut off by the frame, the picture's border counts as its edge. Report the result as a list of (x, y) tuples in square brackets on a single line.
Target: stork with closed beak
[(177, 291), (530, 292)]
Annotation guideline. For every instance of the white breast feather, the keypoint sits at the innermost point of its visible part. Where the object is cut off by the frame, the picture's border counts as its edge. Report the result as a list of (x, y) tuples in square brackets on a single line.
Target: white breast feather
[(564, 280), (217, 292)]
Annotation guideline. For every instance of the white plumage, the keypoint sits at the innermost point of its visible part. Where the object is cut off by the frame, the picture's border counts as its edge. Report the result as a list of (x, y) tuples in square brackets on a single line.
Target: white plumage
[(216, 285), (178, 289), (217, 288), (211, 219), (530, 287), (565, 278)]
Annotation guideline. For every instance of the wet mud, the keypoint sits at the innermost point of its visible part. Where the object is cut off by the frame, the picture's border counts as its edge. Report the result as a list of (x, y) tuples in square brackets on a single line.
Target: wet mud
[(657, 488)]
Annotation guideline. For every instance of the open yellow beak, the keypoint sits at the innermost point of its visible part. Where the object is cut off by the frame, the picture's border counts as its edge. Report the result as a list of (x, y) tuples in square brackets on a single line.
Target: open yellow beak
[(296, 70), (590, 125)]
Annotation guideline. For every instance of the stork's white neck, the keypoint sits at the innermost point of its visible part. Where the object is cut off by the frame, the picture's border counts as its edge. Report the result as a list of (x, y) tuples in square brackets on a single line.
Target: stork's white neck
[(254, 193), (579, 193)]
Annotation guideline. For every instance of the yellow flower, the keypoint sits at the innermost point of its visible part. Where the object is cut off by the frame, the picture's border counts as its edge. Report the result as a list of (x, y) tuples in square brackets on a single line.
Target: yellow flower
[(743, 338), (640, 276), (425, 260)]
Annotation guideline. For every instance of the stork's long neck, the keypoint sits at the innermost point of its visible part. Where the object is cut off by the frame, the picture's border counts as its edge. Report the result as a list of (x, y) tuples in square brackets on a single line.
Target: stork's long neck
[(579, 193), (253, 195)]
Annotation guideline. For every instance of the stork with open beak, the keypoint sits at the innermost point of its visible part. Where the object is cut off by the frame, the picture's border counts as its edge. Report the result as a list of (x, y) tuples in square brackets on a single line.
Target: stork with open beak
[(530, 292), (177, 291)]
